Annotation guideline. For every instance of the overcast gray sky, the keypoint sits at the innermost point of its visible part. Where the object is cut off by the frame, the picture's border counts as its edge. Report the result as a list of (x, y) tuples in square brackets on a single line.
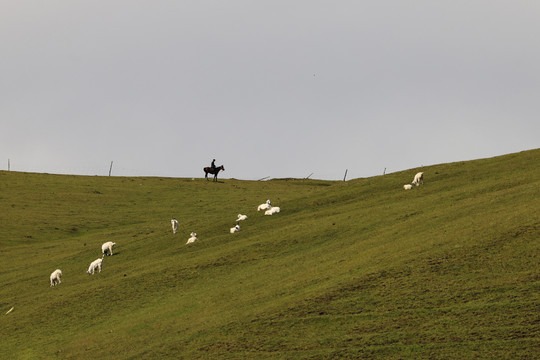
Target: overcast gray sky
[(267, 88)]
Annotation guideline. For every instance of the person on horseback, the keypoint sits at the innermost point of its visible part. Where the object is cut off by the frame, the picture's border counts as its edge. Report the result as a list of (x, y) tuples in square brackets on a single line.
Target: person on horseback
[(213, 169)]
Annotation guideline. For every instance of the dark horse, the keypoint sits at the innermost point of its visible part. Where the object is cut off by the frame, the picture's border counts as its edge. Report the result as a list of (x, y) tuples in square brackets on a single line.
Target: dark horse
[(209, 170)]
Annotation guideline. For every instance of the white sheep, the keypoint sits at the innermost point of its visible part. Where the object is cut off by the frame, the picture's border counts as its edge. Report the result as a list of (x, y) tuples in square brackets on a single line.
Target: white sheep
[(407, 186), (418, 178), (96, 264), (235, 229), (106, 248), (56, 276), (272, 210), (174, 224), (241, 217), (265, 206), (192, 239)]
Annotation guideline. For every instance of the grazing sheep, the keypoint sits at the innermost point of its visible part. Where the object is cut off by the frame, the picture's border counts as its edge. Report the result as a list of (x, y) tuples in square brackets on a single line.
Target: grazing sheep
[(56, 276), (265, 206), (407, 186), (192, 239), (106, 248), (241, 217), (418, 178), (174, 224), (272, 210), (96, 264), (235, 229)]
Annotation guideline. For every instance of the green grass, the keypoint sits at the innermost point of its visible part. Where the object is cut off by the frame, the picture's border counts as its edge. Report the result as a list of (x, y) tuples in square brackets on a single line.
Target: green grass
[(357, 269)]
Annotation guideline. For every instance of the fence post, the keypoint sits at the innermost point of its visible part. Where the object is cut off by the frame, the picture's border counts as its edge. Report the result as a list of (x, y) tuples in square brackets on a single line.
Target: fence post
[(110, 169), (344, 177)]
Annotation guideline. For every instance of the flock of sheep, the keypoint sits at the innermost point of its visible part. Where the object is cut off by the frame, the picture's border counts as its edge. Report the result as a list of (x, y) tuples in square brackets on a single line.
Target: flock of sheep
[(418, 178), (106, 248), (270, 210)]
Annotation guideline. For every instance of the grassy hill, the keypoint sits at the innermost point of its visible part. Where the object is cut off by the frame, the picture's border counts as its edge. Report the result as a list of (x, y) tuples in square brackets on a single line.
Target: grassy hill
[(357, 269)]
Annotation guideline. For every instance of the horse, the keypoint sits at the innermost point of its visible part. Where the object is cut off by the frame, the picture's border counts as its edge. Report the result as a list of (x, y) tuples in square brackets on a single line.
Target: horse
[(209, 170)]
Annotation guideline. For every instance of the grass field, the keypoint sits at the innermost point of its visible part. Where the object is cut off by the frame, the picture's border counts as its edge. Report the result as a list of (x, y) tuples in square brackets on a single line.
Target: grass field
[(355, 270)]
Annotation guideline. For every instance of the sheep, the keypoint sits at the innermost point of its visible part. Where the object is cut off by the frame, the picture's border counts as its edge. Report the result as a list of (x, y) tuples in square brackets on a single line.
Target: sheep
[(56, 277), (241, 217), (272, 210), (235, 229), (265, 206), (418, 178), (407, 186), (174, 224), (96, 264), (192, 239), (106, 248)]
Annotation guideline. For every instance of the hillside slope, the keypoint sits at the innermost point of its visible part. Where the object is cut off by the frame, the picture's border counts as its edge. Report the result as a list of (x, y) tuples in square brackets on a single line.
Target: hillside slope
[(357, 269)]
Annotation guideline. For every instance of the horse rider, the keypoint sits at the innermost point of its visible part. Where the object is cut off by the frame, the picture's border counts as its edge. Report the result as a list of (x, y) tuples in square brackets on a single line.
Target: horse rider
[(213, 166)]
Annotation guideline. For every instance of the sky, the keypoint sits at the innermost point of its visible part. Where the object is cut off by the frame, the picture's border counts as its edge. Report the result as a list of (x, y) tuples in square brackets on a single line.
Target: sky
[(267, 88)]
